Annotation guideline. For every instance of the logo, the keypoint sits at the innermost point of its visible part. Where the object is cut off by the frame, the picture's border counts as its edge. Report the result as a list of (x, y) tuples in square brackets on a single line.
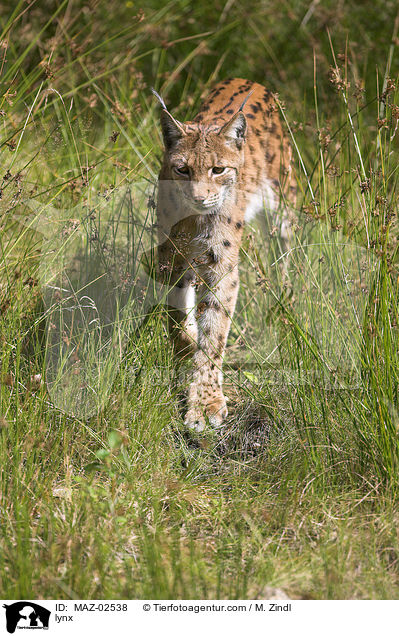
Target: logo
[(26, 615)]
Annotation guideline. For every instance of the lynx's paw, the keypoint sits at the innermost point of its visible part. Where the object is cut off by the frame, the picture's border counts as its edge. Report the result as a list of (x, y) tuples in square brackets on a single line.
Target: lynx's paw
[(214, 413)]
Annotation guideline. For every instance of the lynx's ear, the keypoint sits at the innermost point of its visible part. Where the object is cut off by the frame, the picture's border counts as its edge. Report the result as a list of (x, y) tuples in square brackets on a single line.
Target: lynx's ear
[(172, 130), (235, 129)]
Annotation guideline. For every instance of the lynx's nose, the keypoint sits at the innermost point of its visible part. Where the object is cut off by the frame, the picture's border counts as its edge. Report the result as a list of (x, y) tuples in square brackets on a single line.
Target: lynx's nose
[(199, 198), (199, 192)]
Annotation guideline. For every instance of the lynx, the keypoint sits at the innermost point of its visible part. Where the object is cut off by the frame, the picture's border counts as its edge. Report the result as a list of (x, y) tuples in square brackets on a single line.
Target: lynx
[(231, 161)]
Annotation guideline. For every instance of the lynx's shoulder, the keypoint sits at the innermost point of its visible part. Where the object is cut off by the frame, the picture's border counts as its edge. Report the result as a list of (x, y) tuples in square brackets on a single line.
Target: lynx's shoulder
[(268, 154), (227, 96)]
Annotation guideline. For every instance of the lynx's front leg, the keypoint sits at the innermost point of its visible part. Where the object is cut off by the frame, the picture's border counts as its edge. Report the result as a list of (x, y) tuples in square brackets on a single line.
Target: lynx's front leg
[(179, 277), (217, 298)]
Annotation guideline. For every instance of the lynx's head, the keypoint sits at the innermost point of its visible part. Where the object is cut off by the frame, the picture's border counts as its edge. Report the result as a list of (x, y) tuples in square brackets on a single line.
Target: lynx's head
[(204, 160)]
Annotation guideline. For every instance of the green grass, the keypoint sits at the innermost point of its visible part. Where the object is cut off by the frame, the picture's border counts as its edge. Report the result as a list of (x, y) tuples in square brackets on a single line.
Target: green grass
[(103, 492)]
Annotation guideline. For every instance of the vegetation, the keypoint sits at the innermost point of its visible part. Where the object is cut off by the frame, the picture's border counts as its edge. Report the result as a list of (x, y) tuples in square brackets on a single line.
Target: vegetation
[(103, 492)]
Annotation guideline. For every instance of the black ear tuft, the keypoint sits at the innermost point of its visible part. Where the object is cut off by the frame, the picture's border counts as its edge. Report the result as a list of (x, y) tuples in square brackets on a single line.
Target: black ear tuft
[(172, 130), (235, 129)]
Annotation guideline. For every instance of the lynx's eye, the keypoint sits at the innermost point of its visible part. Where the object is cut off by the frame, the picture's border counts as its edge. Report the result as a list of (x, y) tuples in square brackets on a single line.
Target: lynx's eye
[(184, 170), (218, 169)]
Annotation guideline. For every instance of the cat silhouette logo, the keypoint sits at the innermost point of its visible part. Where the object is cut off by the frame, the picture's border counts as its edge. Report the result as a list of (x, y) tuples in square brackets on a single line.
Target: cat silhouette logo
[(26, 615)]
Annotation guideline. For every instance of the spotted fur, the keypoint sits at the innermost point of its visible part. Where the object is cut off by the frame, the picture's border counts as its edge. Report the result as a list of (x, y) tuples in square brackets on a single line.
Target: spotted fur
[(218, 171)]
